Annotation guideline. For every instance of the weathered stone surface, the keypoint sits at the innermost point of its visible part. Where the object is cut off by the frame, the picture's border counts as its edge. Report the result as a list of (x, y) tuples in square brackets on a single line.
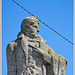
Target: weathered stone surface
[(30, 55)]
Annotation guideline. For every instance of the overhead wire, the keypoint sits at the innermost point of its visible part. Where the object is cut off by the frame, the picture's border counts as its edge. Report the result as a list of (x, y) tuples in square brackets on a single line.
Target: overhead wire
[(43, 23)]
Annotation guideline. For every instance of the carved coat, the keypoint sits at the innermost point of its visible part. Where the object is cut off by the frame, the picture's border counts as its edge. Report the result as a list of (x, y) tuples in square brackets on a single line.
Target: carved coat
[(27, 56)]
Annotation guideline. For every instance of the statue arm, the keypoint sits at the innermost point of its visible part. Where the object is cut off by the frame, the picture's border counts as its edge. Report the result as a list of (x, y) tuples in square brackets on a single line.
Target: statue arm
[(56, 57), (11, 61)]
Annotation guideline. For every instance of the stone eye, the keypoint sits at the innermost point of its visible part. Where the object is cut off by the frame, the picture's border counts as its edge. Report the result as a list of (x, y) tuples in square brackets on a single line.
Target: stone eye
[(31, 23), (35, 26), (38, 23)]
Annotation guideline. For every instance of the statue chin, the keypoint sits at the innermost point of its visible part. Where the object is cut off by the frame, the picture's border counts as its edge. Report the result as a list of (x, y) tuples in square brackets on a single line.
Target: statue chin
[(34, 35)]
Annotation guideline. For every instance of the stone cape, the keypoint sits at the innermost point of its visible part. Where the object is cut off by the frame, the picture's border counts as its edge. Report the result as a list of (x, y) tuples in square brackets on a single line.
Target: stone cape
[(32, 56)]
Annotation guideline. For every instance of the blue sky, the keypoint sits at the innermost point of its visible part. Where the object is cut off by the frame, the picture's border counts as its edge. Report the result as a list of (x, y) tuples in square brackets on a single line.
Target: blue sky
[(58, 14)]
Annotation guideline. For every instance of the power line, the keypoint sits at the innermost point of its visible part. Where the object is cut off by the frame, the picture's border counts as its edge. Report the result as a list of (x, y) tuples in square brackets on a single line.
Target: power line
[(43, 22)]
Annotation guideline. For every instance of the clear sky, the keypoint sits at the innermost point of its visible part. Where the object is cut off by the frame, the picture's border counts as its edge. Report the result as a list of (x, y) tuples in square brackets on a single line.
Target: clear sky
[(58, 14)]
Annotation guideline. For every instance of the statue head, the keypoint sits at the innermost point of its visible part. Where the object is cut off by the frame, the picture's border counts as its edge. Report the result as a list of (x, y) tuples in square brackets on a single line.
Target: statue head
[(29, 27)]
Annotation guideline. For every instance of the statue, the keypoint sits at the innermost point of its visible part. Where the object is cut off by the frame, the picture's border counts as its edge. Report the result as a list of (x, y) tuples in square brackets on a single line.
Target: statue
[(30, 55)]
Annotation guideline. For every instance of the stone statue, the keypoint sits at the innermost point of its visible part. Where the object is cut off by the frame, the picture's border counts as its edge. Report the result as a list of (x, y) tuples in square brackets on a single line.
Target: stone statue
[(30, 55)]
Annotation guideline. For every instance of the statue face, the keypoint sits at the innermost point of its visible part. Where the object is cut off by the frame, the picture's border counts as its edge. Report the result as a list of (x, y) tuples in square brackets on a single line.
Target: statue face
[(30, 27)]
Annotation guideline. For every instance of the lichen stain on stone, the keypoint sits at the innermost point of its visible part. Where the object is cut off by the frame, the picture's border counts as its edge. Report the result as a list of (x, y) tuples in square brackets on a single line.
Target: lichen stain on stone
[(31, 53)]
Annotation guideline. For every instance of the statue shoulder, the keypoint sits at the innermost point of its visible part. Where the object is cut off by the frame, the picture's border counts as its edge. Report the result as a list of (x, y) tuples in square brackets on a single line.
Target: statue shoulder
[(10, 46), (48, 49)]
